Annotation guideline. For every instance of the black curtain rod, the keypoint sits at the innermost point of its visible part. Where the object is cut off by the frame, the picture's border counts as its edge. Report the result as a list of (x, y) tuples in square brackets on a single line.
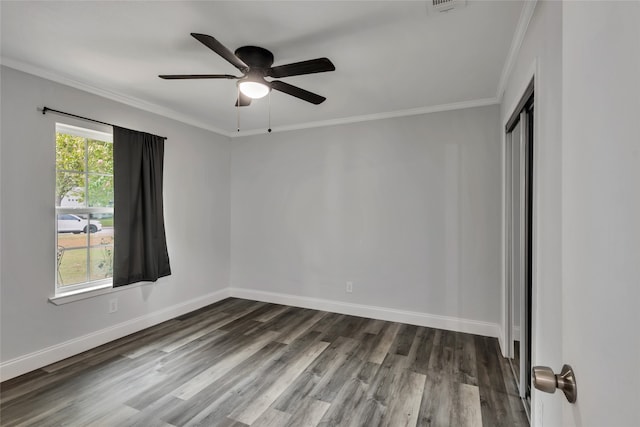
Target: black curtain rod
[(45, 109)]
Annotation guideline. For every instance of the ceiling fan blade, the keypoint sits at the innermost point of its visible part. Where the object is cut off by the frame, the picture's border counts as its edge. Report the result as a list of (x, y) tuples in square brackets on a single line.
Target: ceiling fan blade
[(196, 76), (297, 92), (318, 65), (243, 100), (221, 50)]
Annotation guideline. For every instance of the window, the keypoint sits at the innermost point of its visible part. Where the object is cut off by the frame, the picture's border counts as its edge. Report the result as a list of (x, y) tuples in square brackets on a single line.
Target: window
[(84, 208)]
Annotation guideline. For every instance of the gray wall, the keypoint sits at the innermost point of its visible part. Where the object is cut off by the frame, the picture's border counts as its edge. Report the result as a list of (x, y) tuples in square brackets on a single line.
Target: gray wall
[(196, 212), (408, 209)]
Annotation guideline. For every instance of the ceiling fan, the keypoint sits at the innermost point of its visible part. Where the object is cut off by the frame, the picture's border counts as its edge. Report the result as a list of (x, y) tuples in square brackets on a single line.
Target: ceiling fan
[(255, 63)]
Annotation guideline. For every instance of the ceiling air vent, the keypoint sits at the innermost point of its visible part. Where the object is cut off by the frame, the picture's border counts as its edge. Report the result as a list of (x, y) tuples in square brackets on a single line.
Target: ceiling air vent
[(445, 5)]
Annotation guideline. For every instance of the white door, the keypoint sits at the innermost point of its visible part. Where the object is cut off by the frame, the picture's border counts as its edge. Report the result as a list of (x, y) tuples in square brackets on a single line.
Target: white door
[(601, 211)]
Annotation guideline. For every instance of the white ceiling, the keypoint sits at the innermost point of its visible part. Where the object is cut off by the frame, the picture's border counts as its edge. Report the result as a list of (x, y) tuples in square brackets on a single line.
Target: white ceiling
[(391, 57)]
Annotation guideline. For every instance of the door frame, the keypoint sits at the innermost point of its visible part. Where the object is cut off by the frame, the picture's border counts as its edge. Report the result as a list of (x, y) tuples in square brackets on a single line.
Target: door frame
[(529, 86)]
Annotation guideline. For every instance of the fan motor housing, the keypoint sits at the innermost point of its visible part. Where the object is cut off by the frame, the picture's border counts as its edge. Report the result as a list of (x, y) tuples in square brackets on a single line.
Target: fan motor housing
[(255, 63), (255, 57)]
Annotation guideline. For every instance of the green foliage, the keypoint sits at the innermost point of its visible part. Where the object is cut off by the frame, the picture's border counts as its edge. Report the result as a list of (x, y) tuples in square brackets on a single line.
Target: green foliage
[(69, 157), (106, 222), (106, 264), (100, 191), (77, 156)]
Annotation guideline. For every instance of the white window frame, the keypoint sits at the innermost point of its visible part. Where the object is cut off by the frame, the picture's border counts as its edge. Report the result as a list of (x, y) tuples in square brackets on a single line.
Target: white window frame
[(100, 133)]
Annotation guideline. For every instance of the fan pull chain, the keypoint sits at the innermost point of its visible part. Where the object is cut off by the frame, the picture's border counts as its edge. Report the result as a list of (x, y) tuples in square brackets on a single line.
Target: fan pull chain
[(269, 130), (238, 108)]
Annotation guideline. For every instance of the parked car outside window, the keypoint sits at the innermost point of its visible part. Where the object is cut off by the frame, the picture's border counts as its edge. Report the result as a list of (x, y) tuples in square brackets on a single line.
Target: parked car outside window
[(69, 223)]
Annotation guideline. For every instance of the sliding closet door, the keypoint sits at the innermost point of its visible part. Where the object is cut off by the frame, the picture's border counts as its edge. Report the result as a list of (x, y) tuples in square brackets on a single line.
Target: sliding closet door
[(519, 215)]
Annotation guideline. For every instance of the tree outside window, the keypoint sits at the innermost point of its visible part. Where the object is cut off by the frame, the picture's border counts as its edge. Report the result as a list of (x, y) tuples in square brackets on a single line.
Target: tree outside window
[(84, 207)]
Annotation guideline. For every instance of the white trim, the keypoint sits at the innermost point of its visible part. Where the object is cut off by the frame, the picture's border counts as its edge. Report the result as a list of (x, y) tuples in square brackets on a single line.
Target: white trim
[(38, 359), (515, 333), (374, 312), (41, 358), (114, 96), (518, 37), (82, 291), (93, 291), (84, 132), (166, 112), (377, 116), (531, 74), (501, 342)]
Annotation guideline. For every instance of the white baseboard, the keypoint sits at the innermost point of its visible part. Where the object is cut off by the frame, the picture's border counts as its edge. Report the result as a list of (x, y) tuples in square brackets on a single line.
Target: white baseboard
[(403, 316), (41, 358), (502, 337), (516, 333)]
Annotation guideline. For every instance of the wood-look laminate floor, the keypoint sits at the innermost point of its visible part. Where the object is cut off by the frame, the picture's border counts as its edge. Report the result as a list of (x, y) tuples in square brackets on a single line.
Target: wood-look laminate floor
[(246, 363)]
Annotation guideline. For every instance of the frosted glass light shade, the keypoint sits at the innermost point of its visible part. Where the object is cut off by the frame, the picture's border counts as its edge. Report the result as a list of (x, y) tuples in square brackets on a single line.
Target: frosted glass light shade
[(254, 90)]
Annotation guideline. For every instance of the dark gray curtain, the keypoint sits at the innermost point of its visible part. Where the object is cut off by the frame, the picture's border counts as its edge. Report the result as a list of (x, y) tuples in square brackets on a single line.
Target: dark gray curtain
[(140, 247)]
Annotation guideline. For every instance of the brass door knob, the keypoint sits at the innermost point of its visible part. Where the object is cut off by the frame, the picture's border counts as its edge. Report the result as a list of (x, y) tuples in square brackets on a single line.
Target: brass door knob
[(545, 380)]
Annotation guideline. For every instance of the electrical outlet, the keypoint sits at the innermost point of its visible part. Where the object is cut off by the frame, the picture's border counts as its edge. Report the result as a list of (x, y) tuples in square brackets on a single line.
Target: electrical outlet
[(349, 288), (113, 305)]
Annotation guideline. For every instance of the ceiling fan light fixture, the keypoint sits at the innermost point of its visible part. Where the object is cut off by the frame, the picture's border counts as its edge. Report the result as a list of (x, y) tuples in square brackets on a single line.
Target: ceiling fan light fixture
[(254, 90), (255, 63)]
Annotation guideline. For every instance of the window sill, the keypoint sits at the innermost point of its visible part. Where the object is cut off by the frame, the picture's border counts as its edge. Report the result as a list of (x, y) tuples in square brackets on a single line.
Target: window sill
[(94, 291), (80, 294)]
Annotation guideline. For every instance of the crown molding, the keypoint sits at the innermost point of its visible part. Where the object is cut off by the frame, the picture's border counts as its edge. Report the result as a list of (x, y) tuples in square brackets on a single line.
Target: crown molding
[(518, 37), (377, 116), (166, 112), (112, 95)]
